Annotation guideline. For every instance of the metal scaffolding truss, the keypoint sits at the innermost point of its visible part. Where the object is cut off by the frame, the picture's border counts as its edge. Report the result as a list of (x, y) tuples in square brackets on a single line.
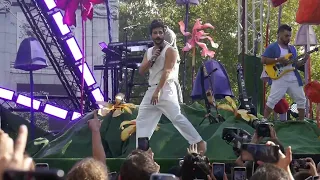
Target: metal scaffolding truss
[(250, 23), (61, 101), (50, 43)]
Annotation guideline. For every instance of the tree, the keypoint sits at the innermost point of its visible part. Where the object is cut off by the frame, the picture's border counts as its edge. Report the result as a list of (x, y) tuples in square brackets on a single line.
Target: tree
[(220, 14)]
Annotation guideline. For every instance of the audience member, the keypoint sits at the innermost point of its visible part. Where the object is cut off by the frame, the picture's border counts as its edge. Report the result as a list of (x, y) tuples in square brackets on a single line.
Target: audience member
[(270, 172), (88, 168), (311, 170), (139, 165), (92, 168)]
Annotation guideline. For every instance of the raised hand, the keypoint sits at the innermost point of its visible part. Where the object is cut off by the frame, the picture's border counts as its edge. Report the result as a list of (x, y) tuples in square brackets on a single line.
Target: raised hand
[(255, 138), (312, 167), (273, 134), (284, 159), (193, 148), (95, 123), (12, 155)]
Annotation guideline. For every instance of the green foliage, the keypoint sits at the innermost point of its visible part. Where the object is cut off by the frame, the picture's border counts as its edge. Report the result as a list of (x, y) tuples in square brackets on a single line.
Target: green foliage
[(222, 15)]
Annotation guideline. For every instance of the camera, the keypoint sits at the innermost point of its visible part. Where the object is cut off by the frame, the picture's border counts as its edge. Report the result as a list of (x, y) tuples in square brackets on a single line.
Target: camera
[(300, 164), (262, 127), (236, 137)]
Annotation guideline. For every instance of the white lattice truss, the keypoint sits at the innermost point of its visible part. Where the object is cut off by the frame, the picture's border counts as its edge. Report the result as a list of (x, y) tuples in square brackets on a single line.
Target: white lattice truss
[(253, 24)]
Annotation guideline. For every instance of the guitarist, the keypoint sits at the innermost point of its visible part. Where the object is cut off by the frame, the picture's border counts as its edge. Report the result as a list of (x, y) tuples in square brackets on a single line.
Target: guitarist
[(290, 82)]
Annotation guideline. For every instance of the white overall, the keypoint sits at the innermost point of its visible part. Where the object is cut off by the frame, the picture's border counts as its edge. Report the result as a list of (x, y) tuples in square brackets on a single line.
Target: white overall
[(149, 115)]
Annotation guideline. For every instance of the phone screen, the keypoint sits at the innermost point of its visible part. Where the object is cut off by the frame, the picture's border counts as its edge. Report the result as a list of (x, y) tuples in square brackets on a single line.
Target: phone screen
[(239, 173), (218, 170), (112, 176), (42, 166), (34, 175), (143, 143), (260, 152), (163, 176)]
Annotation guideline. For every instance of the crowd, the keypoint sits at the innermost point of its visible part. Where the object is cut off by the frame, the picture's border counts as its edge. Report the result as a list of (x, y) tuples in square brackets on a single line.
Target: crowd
[(140, 165)]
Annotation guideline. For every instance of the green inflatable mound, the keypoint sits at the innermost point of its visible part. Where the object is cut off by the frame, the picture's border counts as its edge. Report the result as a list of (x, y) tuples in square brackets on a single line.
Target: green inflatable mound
[(167, 142)]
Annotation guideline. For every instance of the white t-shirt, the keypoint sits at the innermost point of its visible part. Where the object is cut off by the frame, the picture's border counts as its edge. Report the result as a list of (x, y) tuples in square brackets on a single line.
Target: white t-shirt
[(290, 76)]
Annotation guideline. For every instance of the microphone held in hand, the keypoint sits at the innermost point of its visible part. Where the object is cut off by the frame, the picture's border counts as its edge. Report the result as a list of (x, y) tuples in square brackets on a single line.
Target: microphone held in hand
[(153, 60)]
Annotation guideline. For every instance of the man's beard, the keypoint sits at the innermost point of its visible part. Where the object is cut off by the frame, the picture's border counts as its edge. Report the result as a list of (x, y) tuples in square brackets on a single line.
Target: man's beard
[(158, 41), (285, 42)]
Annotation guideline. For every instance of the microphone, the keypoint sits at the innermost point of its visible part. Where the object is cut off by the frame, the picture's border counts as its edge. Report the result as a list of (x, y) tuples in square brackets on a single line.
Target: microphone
[(154, 59), (131, 26)]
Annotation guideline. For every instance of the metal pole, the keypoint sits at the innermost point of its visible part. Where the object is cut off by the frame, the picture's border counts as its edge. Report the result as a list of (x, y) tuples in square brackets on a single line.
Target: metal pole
[(243, 39), (282, 117), (306, 67), (186, 21), (32, 125)]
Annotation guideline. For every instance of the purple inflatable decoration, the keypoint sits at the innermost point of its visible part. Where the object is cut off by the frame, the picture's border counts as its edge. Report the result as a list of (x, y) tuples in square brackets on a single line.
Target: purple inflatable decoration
[(219, 78), (183, 2)]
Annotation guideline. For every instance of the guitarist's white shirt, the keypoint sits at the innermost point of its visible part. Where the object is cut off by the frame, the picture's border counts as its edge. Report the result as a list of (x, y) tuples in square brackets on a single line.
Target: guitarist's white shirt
[(290, 76)]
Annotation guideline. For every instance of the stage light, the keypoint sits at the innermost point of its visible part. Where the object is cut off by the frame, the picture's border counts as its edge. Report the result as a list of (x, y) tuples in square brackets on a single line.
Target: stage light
[(87, 75), (55, 111), (62, 28), (50, 4), (97, 95), (6, 94), (26, 101), (74, 49), (46, 5), (75, 115)]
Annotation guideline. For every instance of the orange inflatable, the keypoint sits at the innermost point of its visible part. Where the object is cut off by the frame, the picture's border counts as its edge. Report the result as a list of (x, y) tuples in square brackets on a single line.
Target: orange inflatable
[(308, 12), (281, 107), (276, 3), (312, 90)]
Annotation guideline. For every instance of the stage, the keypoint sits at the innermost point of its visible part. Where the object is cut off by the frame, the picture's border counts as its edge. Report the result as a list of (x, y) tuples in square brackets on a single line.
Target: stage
[(74, 142)]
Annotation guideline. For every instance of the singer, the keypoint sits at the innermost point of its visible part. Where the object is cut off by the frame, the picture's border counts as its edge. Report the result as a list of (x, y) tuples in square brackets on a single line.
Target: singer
[(161, 96)]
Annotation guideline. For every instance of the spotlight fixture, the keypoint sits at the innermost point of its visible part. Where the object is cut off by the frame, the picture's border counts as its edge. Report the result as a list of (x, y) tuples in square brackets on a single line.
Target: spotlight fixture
[(75, 115), (47, 5), (97, 95), (6, 94), (73, 48), (55, 111), (26, 101), (59, 26), (87, 75)]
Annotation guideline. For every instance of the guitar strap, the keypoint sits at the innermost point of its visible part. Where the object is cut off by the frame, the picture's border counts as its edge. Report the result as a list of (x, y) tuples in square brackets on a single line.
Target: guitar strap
[(301, 68)]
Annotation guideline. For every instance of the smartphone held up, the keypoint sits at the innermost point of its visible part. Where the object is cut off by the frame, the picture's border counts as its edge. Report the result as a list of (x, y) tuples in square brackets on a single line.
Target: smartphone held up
[(260, 152), (143, 143)]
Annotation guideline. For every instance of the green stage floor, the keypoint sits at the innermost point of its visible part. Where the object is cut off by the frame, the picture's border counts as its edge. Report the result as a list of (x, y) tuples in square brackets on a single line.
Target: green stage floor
[(167, 144)]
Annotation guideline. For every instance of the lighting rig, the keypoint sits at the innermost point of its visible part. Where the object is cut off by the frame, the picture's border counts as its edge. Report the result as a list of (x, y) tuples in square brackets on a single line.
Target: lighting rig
[(65, 55)]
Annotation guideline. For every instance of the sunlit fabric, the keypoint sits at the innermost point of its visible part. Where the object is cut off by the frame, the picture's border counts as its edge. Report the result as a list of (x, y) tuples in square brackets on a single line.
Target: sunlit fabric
[(308, 12), (276, 3), (70, 7), (219, 78)]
